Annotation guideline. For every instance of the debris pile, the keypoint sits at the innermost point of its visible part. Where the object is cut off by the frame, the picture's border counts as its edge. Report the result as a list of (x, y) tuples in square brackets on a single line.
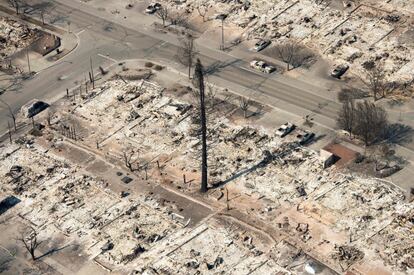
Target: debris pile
[(257, 162), (348, 254), (77, 204), (355, 34), (395, 242), (271, 174), (362, 205), (15, 36), (209, 249)]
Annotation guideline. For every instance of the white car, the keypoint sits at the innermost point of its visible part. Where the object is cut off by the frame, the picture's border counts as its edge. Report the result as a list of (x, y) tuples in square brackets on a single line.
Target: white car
[(260, 45), (152, 8), (285, 129), (262, 66)]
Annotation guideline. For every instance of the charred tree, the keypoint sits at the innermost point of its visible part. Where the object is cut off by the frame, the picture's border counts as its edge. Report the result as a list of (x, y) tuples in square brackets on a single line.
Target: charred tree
[(187, 52), (30, 242), (199, 75)]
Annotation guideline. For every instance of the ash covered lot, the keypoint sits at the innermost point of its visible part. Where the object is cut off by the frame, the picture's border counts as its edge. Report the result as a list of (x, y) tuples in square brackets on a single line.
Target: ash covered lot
[(354, 32), (272, 207), (15, 36)]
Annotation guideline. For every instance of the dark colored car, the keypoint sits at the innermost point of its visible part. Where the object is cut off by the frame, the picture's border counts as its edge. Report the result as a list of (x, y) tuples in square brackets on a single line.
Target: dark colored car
[(339, 71), (152, 8), (305, 138)]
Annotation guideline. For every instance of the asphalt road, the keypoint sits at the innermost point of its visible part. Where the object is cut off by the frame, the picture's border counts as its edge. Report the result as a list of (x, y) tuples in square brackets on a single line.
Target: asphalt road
[(100, 37)]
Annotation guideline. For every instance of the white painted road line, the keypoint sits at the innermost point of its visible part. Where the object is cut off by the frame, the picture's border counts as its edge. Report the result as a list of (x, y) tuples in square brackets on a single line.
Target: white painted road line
[(253, 71), (107, 57), (162, 44)]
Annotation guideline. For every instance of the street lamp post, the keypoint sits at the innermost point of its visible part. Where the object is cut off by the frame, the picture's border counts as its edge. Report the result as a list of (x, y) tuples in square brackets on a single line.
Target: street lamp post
[(28, 60), (222, 17), (222, 35)]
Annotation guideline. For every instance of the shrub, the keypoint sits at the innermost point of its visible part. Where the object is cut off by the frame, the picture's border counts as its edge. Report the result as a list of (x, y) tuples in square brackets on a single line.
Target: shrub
[(149, 64), (359, 158)]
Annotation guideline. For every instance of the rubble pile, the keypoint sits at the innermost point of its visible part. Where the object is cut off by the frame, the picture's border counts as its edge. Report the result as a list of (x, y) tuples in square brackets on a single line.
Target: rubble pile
[(15, 36), (159, 125), (395, 242), (77, 204), (357, 34), (229, 251), (125, 233), (143, 232), (156, 124), (254, 160), (348, 254), (401, 4), (363, 206)]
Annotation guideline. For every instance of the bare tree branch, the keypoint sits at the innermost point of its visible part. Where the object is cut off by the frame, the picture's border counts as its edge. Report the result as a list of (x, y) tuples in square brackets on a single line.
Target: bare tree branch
[(16, 4), (365, 120), (30, 242), (244, 104), (179, 19), (187, 52), (130, 157), (163, 14), (202, 10), (292, 53), (376, 81), (347, 117), (11, 113)]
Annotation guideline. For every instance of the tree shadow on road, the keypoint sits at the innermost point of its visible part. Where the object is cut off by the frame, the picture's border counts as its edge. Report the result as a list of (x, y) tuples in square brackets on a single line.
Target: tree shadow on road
[(38, 8), (217, 66), (398, 133), (59, 19)]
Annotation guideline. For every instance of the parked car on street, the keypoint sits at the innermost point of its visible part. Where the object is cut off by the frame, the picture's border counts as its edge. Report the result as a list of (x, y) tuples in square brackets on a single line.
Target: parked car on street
[(262, 66), (152, 8), (339, 71), (285, 129), (260, 45), (304, 137)]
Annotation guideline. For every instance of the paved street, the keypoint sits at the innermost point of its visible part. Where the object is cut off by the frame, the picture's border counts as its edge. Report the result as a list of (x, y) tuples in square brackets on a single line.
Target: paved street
[(108, 42), (100, 38)]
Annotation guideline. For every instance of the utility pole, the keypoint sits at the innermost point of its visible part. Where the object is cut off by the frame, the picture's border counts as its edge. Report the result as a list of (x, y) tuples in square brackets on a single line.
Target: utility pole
[(10, 134), (86, 85), (222, 17), (11, 113), (227, 199), (28, 60), (222, 34), (199, 74), (91, 76)]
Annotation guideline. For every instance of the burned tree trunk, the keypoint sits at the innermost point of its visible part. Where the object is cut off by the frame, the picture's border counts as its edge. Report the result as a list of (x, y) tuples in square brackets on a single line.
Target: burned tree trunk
[(30, 242), (187, 52), (200, 81), (11, 113)]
